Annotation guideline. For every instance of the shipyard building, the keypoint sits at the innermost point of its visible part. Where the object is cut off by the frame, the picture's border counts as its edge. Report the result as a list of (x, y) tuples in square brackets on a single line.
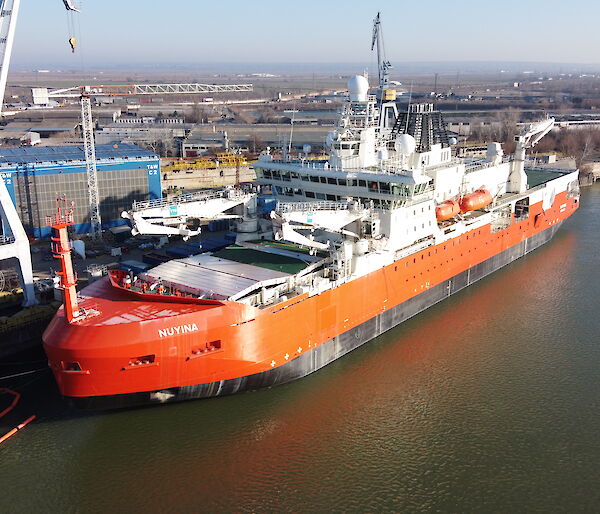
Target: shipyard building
[(35, 177)]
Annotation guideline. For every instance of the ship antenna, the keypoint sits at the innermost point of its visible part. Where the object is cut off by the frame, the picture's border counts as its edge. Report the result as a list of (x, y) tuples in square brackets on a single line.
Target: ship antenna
[(408, 107), (291, 130)]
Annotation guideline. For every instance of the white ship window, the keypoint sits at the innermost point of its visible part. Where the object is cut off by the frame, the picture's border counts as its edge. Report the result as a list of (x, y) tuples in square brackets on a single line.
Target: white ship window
[(331, 198), (293, 174), (288, 191), (323, 180), (351, 182), (285, 176), (384, 187), (342, 182), (298, 192), (362, 183), (306, 178), (276, 175), (320, 196), (331, 180), (309, 194), (313, 178), (267, 173), (372, 186)]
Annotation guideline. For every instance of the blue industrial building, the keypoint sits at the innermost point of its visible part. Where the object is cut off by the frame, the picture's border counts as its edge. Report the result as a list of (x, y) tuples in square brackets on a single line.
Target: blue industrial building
[(35, 177)]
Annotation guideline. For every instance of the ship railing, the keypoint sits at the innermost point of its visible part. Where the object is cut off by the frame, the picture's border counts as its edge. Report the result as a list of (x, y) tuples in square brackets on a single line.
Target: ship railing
[(414, 248), (562, 171), (477, 165), (321, 205), (192, 197)]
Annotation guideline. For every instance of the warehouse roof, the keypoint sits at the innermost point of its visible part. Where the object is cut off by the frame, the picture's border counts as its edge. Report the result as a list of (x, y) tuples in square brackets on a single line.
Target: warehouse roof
[(71, 153)]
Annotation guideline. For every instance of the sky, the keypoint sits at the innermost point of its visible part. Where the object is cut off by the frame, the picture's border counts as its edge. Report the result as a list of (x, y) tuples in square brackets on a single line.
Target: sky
[(138, 33)]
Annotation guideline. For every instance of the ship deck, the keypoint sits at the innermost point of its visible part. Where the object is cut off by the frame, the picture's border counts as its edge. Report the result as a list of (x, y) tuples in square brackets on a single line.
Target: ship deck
[(227, 272), (537, 176)]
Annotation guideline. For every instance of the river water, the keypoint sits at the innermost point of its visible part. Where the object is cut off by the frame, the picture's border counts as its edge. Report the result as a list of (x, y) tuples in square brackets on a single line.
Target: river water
[(488, 402)]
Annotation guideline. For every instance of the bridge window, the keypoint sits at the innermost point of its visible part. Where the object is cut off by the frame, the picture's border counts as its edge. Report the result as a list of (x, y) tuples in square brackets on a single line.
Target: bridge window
[(309, 194)]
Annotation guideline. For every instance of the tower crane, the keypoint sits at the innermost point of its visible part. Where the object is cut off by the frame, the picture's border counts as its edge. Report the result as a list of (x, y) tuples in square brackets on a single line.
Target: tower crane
[(42, 96), (85, 93), (529, 136)]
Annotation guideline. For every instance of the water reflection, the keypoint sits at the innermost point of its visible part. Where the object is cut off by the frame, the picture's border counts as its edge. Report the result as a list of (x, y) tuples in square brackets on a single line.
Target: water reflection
[(486, 402)]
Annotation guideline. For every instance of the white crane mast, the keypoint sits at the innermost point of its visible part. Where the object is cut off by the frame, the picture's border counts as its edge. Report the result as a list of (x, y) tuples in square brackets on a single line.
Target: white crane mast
[(87, 126), (528, 138)]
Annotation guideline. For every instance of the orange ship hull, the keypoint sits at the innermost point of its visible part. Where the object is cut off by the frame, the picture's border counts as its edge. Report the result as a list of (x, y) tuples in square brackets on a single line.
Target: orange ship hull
[(135, 352)]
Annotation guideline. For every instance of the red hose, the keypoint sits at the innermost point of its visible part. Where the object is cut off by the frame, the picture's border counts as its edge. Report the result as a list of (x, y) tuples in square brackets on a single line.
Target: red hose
[(16, 399)]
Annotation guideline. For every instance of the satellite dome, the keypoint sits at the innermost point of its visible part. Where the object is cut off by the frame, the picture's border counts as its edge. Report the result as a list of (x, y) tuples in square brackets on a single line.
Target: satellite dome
[(405, 144), (358, 87)]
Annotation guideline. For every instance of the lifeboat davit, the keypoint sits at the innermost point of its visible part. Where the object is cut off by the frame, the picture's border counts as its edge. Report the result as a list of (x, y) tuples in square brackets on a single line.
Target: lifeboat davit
[(475, 200), (447, 210)]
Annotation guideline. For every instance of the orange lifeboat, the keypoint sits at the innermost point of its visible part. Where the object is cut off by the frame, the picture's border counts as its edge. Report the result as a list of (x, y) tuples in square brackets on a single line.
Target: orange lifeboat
[(447, 210), (475, 200)]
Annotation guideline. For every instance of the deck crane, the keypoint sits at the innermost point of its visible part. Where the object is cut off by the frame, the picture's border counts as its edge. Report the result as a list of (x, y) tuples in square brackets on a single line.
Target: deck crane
[(529, 136)]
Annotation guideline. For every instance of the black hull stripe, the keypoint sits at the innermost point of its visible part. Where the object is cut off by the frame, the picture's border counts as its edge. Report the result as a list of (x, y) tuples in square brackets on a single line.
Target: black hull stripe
[(332, 349)]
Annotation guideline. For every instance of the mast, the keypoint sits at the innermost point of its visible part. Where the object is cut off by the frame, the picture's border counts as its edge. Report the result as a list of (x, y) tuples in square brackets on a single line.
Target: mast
[(61, 249)]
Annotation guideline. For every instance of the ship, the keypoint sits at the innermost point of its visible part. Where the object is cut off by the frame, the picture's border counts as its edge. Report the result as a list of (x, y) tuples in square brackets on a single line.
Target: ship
[(391, 224)]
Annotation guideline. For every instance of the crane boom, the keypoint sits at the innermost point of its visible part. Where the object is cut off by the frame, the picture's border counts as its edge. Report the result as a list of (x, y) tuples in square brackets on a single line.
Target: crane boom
[(528, 138), (42, 95), (383, 65)]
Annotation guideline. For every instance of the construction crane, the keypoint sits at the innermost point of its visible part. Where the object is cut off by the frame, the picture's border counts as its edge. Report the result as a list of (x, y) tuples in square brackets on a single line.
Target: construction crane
[(42, 96), (383, 65), (529, 136)]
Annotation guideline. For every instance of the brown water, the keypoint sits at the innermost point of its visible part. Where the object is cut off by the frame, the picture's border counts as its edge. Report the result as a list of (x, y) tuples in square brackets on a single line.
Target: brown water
[(488, 402)]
